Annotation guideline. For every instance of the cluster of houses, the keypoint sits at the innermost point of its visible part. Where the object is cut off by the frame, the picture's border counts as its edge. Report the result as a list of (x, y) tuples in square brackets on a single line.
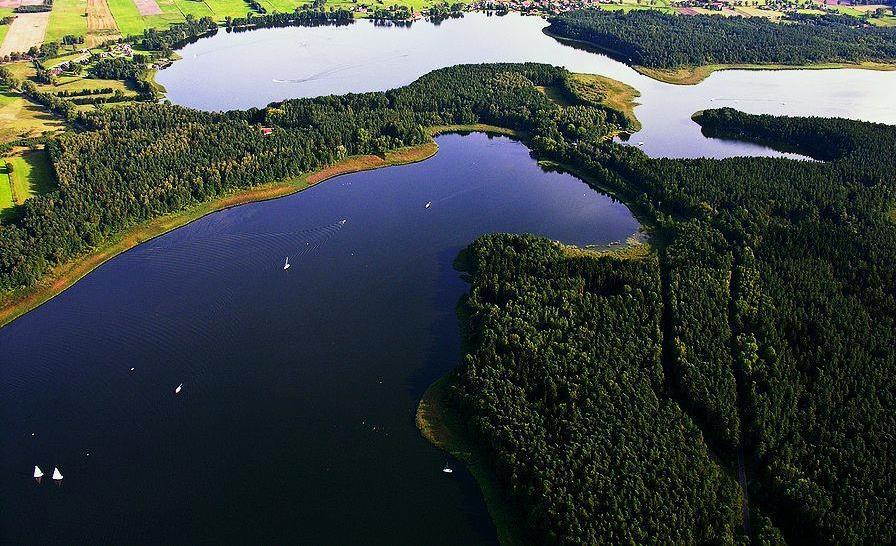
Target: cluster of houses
[(536, 7)]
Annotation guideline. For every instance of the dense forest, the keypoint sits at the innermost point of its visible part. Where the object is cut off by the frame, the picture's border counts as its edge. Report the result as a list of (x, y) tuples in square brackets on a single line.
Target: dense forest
[(779, 295), (563, 381), (613, 394), (658, 40)]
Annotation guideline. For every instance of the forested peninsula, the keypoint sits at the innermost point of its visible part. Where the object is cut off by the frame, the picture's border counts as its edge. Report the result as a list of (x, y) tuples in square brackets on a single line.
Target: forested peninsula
[(759, 329), (657, 42), (612, 394)]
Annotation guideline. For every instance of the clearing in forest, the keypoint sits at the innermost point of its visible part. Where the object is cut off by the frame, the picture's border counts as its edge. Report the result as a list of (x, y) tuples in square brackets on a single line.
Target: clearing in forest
[(22, 176), (27, 30)]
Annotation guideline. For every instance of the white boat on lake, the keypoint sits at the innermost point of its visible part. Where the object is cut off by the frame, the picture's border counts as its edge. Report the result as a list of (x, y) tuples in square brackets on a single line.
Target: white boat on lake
[(286, 265)]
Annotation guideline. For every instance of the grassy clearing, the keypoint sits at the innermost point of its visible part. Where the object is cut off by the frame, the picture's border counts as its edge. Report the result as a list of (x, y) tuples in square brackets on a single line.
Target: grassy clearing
[(608, 92), (692, 75), (31, 175), (635, 248), (6, 200), (441, 424)]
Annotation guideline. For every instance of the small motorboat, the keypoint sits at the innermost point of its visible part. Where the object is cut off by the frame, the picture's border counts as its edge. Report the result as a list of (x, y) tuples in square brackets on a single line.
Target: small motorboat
[(57, 475), (286, 265), (178, 388), (428, 204), (447, 469), (38, 473), (641, 143)]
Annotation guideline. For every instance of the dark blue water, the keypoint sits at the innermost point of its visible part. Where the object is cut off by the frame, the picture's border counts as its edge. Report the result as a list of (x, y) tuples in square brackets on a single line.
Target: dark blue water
[(296, 419)]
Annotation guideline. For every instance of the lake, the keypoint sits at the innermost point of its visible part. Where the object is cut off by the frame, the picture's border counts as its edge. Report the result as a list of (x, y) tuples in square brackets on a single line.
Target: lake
[(245, 69), (295, 423)]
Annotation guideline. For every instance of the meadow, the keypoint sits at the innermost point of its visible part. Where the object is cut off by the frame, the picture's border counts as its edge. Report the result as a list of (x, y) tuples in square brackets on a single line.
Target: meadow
[(30, 175), (69, 17)]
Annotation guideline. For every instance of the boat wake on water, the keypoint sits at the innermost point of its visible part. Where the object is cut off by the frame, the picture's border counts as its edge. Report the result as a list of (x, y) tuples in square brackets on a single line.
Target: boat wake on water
[(180, 255), (339, 68)]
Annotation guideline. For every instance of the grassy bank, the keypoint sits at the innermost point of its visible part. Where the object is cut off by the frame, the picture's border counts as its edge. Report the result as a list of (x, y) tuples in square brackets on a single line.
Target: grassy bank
[(441, 423), (17, 303), (608, 92), (692, 75)]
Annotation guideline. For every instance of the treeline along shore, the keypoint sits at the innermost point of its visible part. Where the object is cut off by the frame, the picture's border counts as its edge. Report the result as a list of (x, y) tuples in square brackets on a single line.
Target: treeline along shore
[(621, 397), (675, 48)]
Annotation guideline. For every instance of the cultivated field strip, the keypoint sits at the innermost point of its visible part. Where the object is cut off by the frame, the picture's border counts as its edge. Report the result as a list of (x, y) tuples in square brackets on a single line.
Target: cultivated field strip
[(26, 30), (101, 25)]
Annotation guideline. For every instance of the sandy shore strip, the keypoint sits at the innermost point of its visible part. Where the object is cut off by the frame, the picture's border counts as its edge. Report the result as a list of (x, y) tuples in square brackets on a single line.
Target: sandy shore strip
[(26, 30)]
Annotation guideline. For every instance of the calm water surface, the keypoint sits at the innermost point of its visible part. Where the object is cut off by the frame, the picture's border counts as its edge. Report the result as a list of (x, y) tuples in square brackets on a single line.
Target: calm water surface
[(247, 69), (296, 419)]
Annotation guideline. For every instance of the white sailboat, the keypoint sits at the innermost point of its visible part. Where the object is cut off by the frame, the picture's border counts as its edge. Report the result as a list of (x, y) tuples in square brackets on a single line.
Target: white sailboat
[(428, 204), (38, 473), (286, 265), (57, 475), (178, 389)]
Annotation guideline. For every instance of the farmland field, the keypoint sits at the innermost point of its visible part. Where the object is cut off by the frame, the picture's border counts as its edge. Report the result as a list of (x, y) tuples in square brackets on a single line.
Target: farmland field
[(67, 17), (101, 24), (4, 12), (27, 30), (127, 17), (19, 117)]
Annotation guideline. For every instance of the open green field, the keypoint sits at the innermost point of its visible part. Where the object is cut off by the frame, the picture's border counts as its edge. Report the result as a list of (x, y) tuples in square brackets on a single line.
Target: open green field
[(6, 201), (4, 12), (22, 118), (67, 17), (629, 5), (31, 175)]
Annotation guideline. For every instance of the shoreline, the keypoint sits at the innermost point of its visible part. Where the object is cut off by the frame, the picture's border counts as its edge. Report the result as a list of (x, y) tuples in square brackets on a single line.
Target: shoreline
[(15, 304), (693, 75), (62, 277), (442, 425)]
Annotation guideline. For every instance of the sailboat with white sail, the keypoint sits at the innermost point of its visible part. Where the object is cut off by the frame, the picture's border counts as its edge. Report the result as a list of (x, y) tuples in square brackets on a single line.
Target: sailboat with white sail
[(38, 474)]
